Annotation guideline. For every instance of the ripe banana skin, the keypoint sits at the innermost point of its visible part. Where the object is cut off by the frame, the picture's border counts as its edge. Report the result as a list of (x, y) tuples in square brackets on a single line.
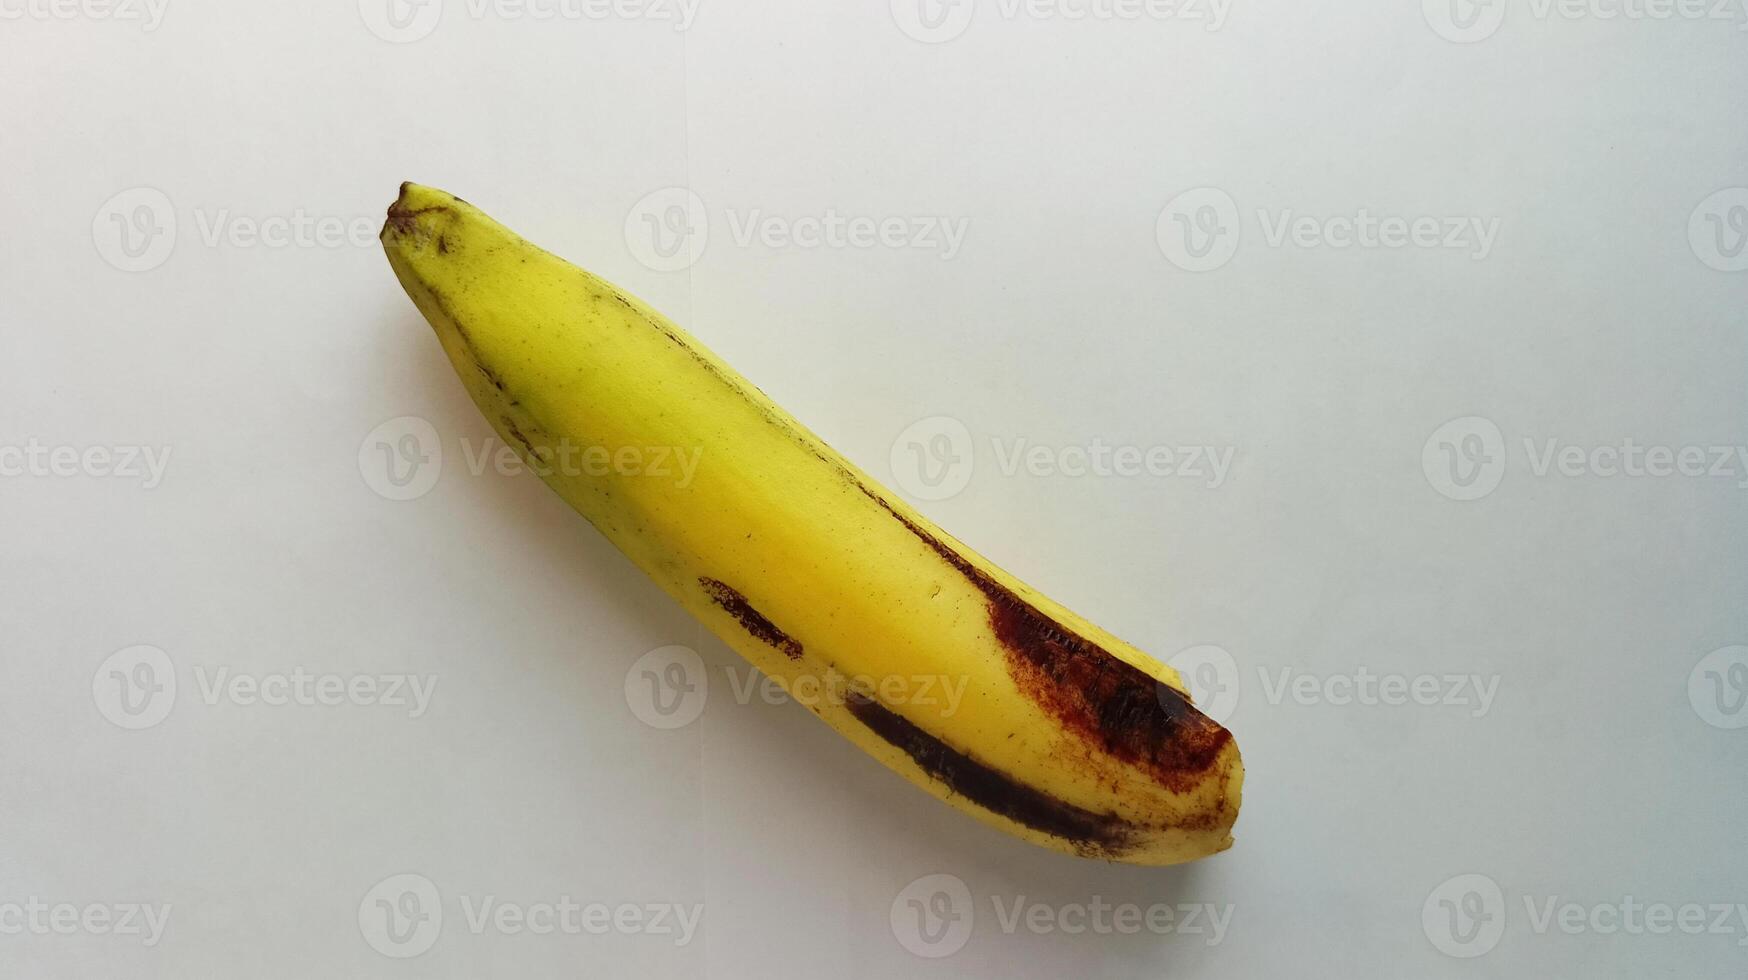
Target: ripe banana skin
[(1063, 735)]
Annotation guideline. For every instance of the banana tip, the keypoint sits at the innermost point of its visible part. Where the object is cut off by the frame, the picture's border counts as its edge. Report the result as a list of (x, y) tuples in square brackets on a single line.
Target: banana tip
[(412, 216)]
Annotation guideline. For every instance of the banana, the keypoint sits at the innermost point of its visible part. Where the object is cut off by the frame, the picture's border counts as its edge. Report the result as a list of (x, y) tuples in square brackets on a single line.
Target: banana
[(946, 669)]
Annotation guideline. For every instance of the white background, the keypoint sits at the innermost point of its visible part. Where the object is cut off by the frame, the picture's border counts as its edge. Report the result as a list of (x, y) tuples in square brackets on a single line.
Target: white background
[(1123, 277)]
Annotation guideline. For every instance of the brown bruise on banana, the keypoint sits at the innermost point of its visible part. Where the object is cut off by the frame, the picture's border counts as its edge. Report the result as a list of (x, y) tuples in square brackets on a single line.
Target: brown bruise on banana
[(1090, 834), (1107, 701), (750, 619)]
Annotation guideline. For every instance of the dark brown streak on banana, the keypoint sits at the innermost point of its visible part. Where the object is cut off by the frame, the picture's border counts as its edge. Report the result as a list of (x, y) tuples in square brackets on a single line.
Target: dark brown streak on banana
[(750, 619), (1092, 834), (516, 434), (1114, 705), (441, 301)]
